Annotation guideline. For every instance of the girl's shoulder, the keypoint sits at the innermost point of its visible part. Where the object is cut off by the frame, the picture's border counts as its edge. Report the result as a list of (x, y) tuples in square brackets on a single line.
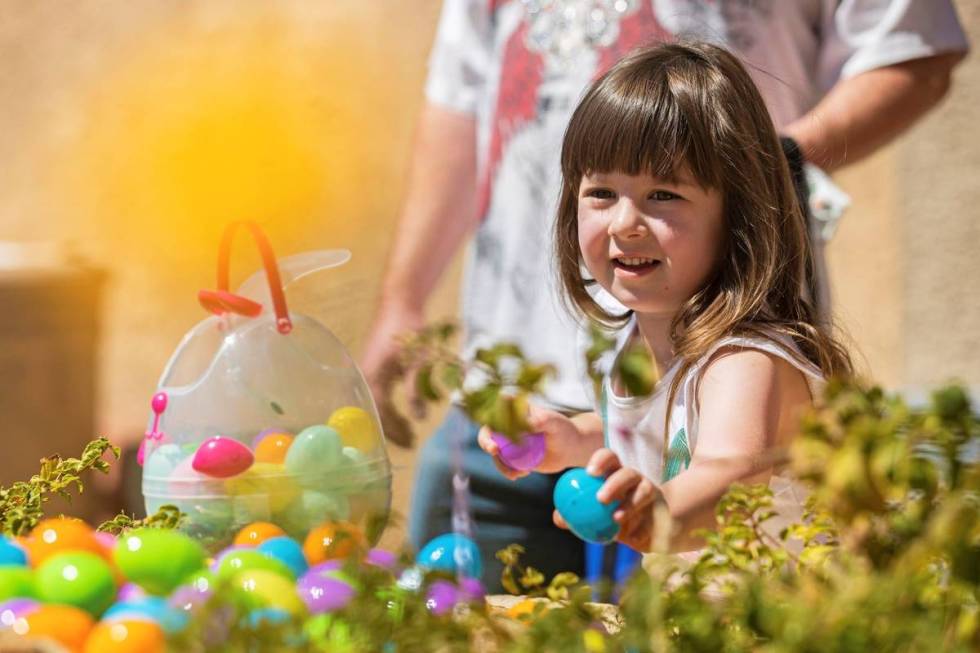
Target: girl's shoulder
[(751, 340)]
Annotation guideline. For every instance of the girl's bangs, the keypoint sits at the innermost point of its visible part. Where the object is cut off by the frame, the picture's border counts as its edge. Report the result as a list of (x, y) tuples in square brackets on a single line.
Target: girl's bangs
[(635, 127)]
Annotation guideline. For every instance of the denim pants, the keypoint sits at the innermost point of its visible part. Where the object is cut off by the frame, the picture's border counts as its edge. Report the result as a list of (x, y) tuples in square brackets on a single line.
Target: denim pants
[(503, 511)]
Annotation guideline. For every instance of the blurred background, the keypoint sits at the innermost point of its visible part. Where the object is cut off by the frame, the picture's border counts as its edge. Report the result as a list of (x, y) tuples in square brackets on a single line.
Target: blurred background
[(131, 132)]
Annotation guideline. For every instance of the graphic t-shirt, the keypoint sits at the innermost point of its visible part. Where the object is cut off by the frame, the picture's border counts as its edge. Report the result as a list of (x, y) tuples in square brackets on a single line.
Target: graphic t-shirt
[(520, 67)]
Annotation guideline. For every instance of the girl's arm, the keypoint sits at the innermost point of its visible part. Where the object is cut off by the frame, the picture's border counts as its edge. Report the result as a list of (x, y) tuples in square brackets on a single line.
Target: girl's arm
[(750, 404), (569, 441)]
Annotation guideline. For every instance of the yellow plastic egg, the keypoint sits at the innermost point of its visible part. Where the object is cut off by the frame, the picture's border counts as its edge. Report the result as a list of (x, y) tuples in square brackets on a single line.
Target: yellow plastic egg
[(273, 447), (356, 426), (265, 487), (257, 533)]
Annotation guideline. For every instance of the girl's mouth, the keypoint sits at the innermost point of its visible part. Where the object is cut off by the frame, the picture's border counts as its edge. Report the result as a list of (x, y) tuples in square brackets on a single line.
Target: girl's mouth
[(634, 265)]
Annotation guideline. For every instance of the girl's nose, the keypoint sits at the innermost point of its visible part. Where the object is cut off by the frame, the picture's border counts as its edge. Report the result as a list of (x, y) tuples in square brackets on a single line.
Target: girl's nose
[(627, 222)]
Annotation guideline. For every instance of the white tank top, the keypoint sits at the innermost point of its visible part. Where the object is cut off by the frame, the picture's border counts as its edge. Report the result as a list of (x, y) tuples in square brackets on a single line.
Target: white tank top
[(634, 426)]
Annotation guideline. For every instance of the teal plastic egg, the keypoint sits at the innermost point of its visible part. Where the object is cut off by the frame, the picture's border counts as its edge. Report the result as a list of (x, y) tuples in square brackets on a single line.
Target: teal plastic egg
[(163, 460), (575, 500), (316, 450), (11, 553), (158, 560), (16, 582), (83, 580), (287, 551)]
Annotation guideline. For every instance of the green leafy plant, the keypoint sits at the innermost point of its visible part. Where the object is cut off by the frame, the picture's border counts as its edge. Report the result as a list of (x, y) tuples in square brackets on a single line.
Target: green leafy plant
[(493, 386)]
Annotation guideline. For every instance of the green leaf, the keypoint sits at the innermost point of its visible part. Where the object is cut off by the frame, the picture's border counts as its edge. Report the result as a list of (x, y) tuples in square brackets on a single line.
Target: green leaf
[(424, 386)]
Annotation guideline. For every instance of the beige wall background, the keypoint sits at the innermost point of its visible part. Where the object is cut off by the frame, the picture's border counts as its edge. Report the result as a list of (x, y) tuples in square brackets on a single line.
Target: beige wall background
[(130, 132)]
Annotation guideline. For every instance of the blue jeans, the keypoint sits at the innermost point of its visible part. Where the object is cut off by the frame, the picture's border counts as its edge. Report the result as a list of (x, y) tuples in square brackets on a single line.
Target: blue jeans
[(503, 511)]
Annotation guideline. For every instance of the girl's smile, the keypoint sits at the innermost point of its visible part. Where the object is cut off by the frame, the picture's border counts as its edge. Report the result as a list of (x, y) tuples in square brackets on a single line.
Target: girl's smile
[(652, 243)]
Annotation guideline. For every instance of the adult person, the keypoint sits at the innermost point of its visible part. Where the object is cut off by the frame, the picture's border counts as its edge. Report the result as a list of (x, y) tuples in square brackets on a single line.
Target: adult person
[(840, 78)]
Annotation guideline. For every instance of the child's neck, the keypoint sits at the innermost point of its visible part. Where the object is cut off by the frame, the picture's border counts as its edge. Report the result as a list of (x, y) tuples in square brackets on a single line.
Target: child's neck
[(655, 330)]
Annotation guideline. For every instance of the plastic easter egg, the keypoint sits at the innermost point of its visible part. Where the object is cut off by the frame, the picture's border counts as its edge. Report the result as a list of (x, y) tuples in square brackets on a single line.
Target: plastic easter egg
[(263, 489), (158, 560), (13, 609), (16, 582), (471, 589), (261, 588), (273, 448), (441, 597), (575, 500), (189, 598), (523, 454), (315, 451), (83, 580), (381, 558), (243, 560), (266, 616), (130, 592), (453, 553), (288, 551), (58, 535), (332, 540), (67, 625), (129, 636), (324, 591), (149, 608), (264, 433), (222, 457), (313, 507), (356, 426), (107, 541), (163, 460), (11, 553), (256, 533)]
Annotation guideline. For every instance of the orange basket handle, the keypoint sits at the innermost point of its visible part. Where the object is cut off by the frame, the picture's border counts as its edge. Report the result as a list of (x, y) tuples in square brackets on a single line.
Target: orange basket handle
[(223, 301)]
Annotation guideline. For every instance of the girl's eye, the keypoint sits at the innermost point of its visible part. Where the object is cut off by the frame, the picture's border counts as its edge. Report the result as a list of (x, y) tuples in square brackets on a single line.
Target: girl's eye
[(600, 193), (663, 196)]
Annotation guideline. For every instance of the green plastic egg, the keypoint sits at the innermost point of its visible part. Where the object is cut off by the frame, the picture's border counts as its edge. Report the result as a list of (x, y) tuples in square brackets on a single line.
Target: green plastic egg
[(236, 561), (83, 580), (156, 559), (261, 588), (315, 451), (16, 582)]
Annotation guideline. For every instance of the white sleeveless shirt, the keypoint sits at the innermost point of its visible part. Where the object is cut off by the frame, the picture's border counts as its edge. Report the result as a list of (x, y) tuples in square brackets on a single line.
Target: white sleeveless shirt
[(634, 426)]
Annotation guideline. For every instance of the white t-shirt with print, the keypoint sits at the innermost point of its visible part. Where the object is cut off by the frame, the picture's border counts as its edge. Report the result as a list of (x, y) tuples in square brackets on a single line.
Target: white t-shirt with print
[(520, 66)]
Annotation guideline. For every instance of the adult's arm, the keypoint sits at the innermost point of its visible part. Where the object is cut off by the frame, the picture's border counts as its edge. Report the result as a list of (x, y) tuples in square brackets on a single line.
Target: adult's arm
[(438, 211), (863, 113)]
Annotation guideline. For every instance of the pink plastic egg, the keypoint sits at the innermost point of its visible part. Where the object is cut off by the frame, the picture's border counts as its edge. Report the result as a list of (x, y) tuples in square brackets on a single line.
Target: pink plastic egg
[(222, 457)]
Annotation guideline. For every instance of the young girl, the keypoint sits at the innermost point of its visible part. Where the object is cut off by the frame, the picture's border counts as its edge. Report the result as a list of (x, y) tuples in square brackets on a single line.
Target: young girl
[(678, 200)]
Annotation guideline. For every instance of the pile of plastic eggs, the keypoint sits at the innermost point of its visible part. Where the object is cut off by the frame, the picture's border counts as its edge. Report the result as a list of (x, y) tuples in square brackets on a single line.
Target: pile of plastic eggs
[(332, 470), (93, 592)]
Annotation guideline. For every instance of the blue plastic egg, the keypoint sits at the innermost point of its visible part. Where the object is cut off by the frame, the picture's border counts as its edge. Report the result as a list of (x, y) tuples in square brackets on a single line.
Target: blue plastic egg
[(11, 553), (288, 551), (576, 502), (453, 553), (149, 608)]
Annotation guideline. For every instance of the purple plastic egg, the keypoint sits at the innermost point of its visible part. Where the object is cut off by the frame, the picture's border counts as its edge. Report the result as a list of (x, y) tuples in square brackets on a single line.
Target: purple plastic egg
[(471, 590), (523, 455), (324, 591), (381, 558), (130, 592), (189, 598), (442, 597), (326, 566), (222, 457), (14, 609)]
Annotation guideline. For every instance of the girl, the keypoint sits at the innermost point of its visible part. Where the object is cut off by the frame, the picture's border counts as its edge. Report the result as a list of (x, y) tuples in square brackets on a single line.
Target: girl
[(678, 200)]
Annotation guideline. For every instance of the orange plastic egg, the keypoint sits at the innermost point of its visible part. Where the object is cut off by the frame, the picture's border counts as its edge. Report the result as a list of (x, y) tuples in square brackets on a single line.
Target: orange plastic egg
[(273, 447), (332, 540), (126, 636), (61, 535), (256, 533), (65, 624)]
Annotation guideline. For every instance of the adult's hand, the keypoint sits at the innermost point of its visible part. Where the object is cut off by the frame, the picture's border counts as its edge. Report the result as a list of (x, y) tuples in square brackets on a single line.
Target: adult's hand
[(382, 367)]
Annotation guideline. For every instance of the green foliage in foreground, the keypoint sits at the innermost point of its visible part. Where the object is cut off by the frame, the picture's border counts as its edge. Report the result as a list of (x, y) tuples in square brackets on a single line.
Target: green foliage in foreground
[(887, 559)]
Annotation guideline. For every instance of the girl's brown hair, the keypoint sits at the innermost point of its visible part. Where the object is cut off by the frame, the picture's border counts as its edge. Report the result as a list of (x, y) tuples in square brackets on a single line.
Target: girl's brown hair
[(693, 105)]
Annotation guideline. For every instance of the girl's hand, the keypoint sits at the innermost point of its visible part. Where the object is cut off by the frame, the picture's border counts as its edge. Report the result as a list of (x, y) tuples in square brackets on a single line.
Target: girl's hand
[(636, 495), (565, 443)]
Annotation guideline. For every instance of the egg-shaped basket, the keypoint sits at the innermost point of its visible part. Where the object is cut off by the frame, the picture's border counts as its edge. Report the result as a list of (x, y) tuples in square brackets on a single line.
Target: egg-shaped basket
[(262, 416)]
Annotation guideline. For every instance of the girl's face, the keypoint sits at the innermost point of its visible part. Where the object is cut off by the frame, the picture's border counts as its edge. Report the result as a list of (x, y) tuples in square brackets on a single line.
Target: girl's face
[(650, 243)]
